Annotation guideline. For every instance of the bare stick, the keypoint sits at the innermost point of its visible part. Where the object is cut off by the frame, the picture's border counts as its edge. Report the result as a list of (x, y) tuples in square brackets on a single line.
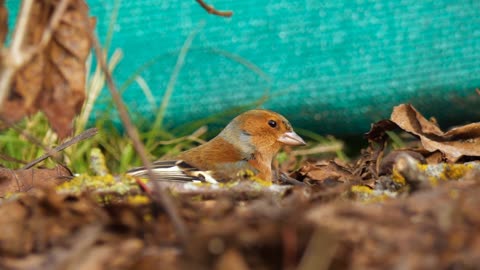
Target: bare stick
[(17, 56), (212, 10), (84, 135), (160, 195)]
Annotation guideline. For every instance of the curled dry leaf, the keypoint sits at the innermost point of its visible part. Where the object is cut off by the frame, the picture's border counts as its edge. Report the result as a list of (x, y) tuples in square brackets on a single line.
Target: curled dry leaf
[(12, 181), (460, 141), (378, 130), (53, 81)]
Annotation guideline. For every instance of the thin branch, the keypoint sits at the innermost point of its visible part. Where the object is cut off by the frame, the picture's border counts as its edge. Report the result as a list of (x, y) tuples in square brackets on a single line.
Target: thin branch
[(17, 56), (83, 136), (284, 178), (212, 10), (160, 195)]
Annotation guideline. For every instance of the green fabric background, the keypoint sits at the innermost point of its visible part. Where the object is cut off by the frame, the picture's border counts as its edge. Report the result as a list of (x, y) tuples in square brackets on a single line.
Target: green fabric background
[(328, 66)]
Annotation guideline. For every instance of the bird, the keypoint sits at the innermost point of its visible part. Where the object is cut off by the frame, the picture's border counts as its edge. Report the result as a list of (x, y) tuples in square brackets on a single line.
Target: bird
[(249, 143)]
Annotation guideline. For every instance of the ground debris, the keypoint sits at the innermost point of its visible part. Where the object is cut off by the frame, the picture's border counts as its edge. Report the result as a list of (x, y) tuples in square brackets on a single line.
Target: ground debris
[(392, 208), (353, 225), (35, 222), (432, 229)]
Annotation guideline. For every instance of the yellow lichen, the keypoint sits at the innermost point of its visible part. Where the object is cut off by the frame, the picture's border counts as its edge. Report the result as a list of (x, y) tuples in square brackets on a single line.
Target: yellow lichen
[(367, 195), (422, 167), (376, 199), (361, 189), (106, 183), (262, 182), (138, 199), (245, 173), (250, 175), (397, 177), (444, 171), (455, 171)]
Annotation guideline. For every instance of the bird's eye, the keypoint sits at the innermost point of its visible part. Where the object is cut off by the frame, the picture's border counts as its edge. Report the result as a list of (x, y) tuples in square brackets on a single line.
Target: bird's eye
[(272, 123)]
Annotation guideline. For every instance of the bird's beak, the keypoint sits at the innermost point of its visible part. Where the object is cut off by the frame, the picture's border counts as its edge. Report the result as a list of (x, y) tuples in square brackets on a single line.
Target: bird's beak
[(291, 138)]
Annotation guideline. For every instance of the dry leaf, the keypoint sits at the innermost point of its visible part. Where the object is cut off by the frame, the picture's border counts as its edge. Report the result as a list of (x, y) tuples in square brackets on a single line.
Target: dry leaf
[(54, 80), (12, 181), (66, 65), (461, 141), (327, 172), (378, 131)]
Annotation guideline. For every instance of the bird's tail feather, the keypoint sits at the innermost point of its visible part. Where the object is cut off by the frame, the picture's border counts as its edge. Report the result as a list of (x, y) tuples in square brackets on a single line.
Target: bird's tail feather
[(174, 170)]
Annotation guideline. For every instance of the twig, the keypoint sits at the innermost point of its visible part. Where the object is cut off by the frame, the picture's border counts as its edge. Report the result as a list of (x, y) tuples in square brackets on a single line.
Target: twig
[(160, 194), (17, 56), (84, 135), (212, 10), (284, 178)]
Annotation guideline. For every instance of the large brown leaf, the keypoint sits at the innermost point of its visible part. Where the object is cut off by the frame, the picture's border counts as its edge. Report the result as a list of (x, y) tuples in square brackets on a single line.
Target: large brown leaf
[(460, 141), (54, 80), (12, 181)]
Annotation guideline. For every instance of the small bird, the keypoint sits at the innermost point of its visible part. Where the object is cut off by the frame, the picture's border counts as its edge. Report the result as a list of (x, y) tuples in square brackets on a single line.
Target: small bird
[(248, 143)]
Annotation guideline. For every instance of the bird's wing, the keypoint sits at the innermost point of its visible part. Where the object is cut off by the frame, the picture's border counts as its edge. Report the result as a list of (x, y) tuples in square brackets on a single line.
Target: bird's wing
[(174, 170)]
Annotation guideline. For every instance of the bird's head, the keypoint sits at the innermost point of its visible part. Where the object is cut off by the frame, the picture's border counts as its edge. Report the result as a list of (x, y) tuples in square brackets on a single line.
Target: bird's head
[(261, 131)]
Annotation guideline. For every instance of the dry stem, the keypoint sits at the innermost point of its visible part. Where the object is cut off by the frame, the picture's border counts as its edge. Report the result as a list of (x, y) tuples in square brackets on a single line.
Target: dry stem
[(212, 10), (160, 194), (84, 135)]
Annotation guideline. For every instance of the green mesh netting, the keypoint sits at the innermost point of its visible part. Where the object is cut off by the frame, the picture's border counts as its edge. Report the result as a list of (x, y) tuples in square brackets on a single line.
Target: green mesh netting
[(328, 66)]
